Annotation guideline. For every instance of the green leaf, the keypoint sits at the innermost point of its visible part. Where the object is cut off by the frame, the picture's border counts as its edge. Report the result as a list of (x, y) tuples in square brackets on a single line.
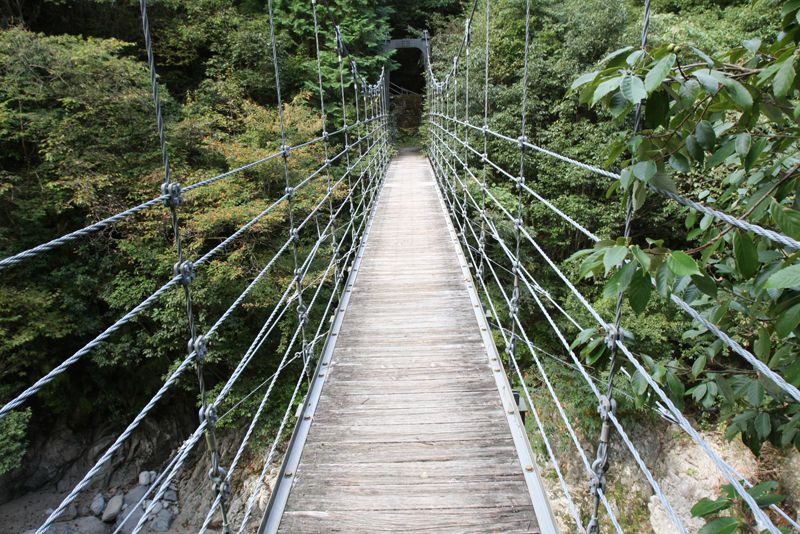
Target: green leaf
[(782, 83), (788, 219), (645, 170), (639, 291), (664, 279), (682, 264), (704, 133), (656, 110), (584, 79), (615, 54), (762, 344), (706, 284), (641, 257), (752, 45), (754, 393), (738, 93), (745, 254), (658, 73), (620, 281), (698, 365), (788, 277), (788, 321), (679, 162), (694, 149), (743, 141), (604, 88), (722, 525), (614, 256), (763, 425), (632, 88), (706, 506), (709, 83)]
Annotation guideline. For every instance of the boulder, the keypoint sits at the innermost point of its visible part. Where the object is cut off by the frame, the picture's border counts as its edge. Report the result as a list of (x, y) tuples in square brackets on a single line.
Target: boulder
[(133, 496), (162, 521), (171, 496), (88, 525), (129, 518), (113, 508), (145, 478), (98, 504)]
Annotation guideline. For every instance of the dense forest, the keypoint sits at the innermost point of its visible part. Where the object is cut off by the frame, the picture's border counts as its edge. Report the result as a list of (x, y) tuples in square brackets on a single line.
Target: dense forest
[(719, 124)]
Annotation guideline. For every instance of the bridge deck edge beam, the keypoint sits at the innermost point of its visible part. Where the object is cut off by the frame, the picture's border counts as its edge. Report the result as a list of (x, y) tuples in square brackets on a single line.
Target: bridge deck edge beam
[(533, 480), (294, 451)]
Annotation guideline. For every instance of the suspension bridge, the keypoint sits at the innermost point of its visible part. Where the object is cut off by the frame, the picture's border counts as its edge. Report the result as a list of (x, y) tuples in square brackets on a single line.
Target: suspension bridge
[(403, 416)]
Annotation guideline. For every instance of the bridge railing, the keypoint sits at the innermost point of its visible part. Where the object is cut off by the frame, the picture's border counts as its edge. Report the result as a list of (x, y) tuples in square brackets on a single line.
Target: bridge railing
[(463, 168), (356, 159)]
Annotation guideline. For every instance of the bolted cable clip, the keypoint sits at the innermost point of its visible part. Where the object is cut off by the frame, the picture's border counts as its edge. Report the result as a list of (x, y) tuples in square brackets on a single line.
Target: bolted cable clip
[(285, 151), (325, 137), (174, 194), (484, 157), (519, 181), (208, 415), (614, 334), (289, 192), (199, 345), (185, 270), (522, 140), (294, 235)]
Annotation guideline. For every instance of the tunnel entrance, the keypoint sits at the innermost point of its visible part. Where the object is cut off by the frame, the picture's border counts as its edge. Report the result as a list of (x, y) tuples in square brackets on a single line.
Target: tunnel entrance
[(406, 85)]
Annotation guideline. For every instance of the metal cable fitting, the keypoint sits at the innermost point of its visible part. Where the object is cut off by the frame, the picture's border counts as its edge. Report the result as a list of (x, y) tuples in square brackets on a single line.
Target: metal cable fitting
[(200, 347), (290, 192), (174, 194), (285, 151), (186, 271)]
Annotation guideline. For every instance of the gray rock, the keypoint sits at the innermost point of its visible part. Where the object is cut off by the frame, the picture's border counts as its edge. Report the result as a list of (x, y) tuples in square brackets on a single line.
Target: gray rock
[(144, 478), (133, 496), (171, 496), (157, 507), (70, 513), (163, 521), (89, 525), (153, 476), (113, 508), (62, 485), (98, 503), (130, 518)]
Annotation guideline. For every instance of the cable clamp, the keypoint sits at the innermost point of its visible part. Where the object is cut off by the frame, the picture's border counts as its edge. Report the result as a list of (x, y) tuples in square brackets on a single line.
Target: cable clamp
[(484, 157), (325, 137), (185, 270), (199, 345), (522, 140), (328, 162), (173, 193), (613, 334), (294, 235), (208, 415), (285, 151)]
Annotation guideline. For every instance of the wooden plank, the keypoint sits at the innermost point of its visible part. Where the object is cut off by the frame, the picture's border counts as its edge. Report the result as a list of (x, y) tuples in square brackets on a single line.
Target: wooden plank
[(485, 520), (409, 433)]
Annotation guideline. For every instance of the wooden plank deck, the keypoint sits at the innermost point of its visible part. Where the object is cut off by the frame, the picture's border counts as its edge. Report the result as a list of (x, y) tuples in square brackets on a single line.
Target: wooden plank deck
[(411, 430)]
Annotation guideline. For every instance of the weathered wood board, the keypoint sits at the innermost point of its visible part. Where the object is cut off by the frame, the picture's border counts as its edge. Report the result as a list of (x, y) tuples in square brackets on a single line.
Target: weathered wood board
[(410, 433)]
